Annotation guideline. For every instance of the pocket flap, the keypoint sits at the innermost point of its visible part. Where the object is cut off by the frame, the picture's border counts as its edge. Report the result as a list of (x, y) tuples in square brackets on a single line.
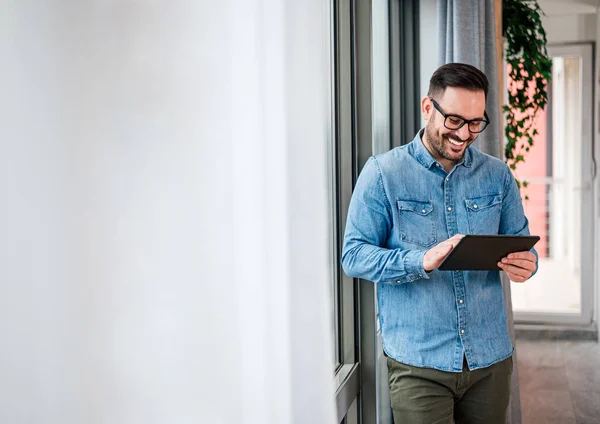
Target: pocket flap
[(482, 202), (421, 208)]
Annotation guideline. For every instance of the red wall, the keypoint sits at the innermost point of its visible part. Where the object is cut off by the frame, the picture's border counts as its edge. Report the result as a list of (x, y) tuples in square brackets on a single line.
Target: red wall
[(535, 167)]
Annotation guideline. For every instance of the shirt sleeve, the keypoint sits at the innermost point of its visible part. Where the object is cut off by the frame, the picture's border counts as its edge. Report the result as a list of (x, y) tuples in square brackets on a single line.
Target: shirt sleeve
[(368, 227), (513, 220)]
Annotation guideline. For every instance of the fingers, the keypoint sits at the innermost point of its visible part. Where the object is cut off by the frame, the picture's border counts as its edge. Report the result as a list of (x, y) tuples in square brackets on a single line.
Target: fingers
[(516, 278), (436, 255), (452, 241), (522, 255), (518, 266), (521, 263), (441, 250), (445, 249), (515, 270)]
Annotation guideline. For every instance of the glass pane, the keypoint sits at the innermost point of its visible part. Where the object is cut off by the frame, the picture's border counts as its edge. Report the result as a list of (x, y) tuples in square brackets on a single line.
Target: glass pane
[(333, 187)]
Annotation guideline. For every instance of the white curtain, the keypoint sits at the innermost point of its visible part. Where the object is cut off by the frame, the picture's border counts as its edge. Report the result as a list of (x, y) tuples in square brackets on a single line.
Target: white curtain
[(467, 34), (164, 218)]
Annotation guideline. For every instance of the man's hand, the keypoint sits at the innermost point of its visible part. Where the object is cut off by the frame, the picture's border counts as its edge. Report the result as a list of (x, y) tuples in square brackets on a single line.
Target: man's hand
[(518, 266), (436, 255)]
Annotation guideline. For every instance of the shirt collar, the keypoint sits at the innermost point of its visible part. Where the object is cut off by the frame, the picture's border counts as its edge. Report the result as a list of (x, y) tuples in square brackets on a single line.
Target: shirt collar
[(421, 153)]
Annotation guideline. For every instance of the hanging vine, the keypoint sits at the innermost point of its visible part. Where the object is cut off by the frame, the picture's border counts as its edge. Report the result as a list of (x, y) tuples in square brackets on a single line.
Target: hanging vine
[(530, 70)]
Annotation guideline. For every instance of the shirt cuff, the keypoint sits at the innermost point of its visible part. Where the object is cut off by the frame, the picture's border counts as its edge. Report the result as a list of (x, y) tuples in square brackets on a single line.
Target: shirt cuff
[(413, 265)]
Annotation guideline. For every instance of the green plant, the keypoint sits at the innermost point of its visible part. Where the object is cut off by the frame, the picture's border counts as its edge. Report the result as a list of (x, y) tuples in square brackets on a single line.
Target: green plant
[(530, 70)]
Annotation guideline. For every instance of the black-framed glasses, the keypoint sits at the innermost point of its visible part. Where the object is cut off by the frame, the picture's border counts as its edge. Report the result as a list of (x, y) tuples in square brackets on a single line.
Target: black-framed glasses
[(456, 122)]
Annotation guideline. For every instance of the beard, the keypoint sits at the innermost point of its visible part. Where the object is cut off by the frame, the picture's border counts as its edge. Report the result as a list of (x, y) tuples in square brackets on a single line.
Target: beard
[(440, 143)]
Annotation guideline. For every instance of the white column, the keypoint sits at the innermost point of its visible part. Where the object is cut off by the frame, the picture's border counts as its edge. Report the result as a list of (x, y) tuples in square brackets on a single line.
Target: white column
[(164, 219)]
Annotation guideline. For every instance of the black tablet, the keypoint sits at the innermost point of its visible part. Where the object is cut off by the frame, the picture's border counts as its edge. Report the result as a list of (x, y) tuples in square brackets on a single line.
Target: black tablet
[(483, 252)]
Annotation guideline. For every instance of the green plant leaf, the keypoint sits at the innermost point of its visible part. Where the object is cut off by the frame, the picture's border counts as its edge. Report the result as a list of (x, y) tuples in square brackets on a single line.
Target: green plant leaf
[(530, 68)]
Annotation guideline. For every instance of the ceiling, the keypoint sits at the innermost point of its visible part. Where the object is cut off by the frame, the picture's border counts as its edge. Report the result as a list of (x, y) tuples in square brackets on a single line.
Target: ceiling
[(568, 7)]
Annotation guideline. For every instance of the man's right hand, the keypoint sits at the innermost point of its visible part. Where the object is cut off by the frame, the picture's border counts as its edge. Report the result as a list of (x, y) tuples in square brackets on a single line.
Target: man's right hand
[(436, 255)]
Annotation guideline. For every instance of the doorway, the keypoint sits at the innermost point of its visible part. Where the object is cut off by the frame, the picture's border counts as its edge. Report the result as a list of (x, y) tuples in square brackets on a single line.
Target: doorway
[(558, 199)]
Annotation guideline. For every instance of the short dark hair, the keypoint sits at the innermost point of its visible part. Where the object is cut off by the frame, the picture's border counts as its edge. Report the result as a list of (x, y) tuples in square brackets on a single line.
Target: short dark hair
[(457, 75)]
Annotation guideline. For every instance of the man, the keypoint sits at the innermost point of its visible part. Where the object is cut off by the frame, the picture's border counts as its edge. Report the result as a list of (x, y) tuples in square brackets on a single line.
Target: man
[(444, 332)]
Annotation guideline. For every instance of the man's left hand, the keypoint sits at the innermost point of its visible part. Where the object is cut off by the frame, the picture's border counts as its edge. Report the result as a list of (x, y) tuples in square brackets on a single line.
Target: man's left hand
[(518, 266)]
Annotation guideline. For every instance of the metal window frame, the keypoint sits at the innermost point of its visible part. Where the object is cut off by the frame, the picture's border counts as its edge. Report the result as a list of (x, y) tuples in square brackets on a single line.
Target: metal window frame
[(364, 149), (404, 70), (347, 375), (403, 89), (360, 394)]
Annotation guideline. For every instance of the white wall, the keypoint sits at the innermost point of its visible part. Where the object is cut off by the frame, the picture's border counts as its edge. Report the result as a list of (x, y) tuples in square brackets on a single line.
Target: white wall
[(561, 29), (164, 212)]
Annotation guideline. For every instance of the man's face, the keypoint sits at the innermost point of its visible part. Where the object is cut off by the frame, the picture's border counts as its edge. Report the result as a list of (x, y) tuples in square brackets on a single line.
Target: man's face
[(443, 142)]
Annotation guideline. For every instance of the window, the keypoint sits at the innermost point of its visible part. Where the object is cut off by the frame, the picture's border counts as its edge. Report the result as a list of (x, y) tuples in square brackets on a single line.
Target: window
[(374, 65), (341, 182)]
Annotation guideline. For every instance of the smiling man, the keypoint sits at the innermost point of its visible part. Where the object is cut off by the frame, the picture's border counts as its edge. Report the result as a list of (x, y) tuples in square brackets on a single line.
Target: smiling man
[(444, 333)]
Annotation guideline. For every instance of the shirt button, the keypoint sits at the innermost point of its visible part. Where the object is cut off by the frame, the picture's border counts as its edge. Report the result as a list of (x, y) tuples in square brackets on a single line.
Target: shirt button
[(420, 275), (457, 270), (423, 211), (449, 208), (398, 281), (462, 331), (475, 206), (447, 179), (460, 301)]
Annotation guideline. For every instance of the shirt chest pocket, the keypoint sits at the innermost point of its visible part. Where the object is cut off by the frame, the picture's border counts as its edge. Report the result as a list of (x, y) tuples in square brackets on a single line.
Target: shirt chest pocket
[(416, 223), (483, 214)]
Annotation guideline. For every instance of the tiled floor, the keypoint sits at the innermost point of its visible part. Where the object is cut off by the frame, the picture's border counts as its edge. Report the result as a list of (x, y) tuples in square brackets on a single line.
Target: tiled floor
[(559, 381)]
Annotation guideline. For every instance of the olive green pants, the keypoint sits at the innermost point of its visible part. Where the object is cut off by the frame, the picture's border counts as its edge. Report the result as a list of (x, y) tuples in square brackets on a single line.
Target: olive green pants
[(428, 396)]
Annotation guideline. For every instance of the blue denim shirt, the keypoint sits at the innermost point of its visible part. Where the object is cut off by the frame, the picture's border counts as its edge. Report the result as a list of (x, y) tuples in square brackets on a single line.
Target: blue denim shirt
[(403, 204)]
